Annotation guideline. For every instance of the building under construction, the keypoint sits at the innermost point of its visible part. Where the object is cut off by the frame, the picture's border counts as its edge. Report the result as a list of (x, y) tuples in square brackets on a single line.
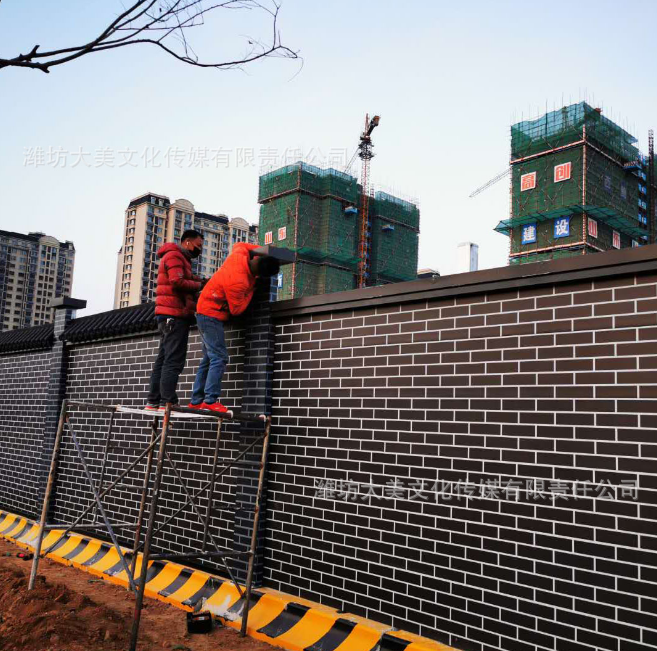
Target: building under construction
[(317, 213), (579, 185)]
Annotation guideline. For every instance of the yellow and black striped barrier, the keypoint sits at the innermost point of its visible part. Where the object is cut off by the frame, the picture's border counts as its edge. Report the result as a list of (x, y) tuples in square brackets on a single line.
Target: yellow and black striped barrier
[(275, 617)]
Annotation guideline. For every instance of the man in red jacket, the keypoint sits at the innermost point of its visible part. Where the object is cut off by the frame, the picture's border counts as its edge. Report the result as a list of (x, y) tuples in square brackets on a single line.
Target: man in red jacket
[(175, 303), (228, 293)]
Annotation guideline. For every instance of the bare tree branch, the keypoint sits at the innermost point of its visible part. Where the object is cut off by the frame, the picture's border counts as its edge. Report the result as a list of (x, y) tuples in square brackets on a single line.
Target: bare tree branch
[(163, 23)]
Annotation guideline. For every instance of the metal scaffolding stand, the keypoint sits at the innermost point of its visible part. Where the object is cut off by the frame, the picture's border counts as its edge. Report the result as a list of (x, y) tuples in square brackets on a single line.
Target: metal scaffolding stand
[(99, 490)]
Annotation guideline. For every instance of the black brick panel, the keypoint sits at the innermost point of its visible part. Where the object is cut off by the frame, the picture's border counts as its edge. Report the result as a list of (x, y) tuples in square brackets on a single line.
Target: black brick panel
[(539, 392)]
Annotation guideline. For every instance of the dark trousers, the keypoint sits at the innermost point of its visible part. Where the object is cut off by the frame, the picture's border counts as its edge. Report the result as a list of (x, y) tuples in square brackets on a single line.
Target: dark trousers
[(170, 360)]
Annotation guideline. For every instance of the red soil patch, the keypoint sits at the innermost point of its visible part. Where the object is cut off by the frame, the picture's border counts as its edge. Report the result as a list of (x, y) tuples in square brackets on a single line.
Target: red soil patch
[(70, 610)]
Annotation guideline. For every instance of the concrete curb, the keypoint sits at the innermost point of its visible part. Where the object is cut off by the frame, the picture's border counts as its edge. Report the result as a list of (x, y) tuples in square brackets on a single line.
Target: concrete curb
[(275, 617)]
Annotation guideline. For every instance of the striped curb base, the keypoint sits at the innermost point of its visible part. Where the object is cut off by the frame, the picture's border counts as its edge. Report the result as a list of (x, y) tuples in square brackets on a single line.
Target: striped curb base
[(275, 617)]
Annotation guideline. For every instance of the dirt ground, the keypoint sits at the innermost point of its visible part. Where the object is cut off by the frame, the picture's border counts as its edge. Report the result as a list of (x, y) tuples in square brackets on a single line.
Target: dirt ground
[(70, 610)]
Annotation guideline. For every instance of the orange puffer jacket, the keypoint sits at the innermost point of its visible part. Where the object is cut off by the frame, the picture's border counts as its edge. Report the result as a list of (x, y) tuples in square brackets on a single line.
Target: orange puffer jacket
[(230, 290)]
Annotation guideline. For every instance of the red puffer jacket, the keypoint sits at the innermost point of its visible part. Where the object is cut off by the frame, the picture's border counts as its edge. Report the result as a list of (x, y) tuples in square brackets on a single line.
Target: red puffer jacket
[(176, 286)]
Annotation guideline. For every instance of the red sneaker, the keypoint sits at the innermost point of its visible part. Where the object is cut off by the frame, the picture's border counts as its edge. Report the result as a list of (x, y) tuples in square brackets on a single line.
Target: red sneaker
[(191, 405), (217, 407)]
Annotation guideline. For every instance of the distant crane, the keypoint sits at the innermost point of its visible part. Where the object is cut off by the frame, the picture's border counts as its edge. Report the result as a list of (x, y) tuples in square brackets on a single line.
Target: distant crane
[(493, 181), (366, 154)]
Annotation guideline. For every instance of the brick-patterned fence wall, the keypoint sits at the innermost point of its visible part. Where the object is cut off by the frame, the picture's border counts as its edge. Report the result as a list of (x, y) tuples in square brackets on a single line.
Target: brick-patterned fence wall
[(23, 387), (475, 459), (117, 372), (471, 458)]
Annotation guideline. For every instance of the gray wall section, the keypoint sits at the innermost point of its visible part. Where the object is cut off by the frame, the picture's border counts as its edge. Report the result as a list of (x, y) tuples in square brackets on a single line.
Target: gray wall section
[(23, 387), (472, 459)]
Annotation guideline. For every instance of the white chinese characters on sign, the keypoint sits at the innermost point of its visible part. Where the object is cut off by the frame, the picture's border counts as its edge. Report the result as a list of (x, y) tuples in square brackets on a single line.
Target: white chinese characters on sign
[(562, 227), (529, 233), (593, 227), (615, 241), (562, 172), (528, 181), (269, 237), (282, 233)]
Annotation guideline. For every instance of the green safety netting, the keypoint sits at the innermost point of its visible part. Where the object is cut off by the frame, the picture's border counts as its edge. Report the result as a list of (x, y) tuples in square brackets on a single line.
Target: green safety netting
[(566, 125), (605, 215)]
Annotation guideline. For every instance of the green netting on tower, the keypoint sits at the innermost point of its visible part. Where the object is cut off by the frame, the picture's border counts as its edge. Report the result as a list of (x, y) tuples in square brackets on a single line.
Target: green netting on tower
[(339, 184), (318, 213), (400, 210), (394, 252), (309, 178), (609, 185), (338, 280), (277, 182), (312, 279), (605, 237), (340, 230), (547, 194), (275, 215), (327, 232), (545, 235), (548, 255), (565, 126)]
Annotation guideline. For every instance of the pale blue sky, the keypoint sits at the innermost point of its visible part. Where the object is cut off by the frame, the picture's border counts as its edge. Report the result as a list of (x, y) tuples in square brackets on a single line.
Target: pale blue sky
[(447, 79)]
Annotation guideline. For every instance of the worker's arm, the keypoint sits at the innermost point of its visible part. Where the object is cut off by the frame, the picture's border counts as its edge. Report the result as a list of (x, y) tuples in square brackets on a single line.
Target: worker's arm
[(176, 271), (238, 297)]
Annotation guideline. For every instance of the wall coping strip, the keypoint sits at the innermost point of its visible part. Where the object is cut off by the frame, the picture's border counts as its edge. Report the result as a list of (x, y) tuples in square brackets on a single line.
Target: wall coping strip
[(587, 267)]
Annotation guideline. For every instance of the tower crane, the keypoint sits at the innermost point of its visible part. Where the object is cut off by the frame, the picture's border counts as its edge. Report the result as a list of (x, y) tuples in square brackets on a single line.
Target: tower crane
[(493, 181), (366, 154)]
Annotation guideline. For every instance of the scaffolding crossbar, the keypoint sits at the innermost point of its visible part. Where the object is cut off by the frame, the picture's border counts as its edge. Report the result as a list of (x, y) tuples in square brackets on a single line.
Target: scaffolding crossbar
[(99, 491)]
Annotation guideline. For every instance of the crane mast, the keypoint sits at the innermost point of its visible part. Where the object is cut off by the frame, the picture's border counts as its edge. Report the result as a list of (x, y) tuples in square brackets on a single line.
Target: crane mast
[(366, 154)]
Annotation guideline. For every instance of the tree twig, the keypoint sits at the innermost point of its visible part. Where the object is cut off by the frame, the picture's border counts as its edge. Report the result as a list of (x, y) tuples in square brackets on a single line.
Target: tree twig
[(156, 22)]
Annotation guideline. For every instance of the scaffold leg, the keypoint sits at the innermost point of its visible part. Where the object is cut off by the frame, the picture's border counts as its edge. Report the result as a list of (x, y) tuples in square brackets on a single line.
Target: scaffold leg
[(144, 494), (149, 530), (254, 533), (47, 495)]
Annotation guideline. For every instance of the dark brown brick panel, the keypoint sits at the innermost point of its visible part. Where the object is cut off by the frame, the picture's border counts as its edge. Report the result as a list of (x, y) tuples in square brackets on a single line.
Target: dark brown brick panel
[(526, 447)]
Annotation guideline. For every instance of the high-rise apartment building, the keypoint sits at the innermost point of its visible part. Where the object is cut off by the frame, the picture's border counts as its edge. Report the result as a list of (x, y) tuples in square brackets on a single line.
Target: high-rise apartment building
[(579, 185), (34, 269), (315, 211), (150, 221)]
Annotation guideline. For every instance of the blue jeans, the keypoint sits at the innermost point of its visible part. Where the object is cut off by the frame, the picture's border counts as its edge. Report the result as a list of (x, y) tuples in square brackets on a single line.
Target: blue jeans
[(207, 385)]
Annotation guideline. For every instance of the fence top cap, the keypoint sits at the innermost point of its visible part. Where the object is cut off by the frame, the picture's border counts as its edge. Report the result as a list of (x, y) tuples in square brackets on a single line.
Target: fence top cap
[(68, 302)]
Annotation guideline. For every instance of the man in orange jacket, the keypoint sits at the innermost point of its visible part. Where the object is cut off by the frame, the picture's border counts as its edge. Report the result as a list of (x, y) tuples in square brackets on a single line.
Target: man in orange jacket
[(228, 293)]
